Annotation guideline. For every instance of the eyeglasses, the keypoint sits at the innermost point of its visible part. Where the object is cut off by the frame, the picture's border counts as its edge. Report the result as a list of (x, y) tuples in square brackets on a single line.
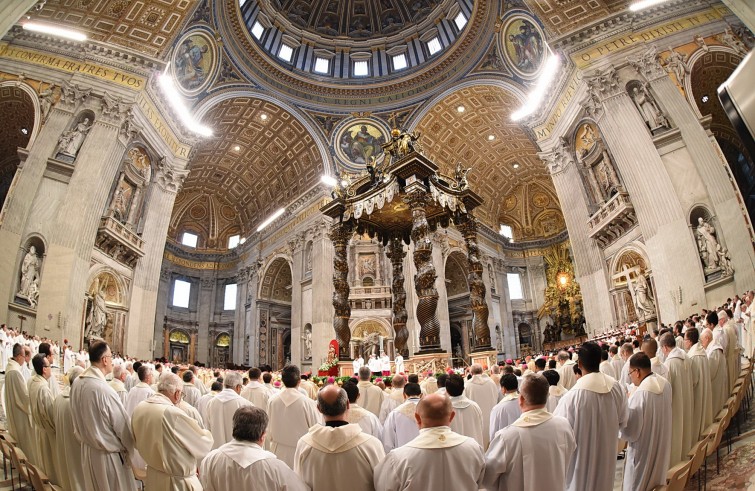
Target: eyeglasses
[(634, 370)]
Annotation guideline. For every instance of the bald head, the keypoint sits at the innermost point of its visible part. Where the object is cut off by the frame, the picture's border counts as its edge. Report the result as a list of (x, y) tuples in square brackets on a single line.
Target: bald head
[(398, 381), (706, 337), (476, 369), (332, 402), (434, 410)]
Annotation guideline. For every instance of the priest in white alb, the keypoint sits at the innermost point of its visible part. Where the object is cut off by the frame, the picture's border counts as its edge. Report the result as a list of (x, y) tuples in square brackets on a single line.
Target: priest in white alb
[(67, 447), (400, 426), (535, 450), (16, 404), (40, 403), (337, 456), (370, 396), (117, 384), (102, 426), (485, 393), (141, 391), (369, 423), (596, 408), (566, 370), (555, 390), (394, 399), (680, 378), (291, 414), (702, 404), (731, 349), (650, 348), (220, 409), (255, 391), (168, 439), (648, 428), (437, 459), (242, 463), (719, 382), (191, 393), (468, 419), (507, 410)]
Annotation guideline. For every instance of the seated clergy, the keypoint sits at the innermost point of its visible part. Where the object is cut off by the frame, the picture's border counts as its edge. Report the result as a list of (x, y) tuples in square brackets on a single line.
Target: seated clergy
[(437, 459), (221, 408), (338, 455), (168, 439), (400, 426), (369, 423), (243, 464), (535, 450)]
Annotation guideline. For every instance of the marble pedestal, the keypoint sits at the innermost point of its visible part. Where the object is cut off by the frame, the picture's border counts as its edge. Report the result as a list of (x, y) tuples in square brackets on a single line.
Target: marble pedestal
[(485, 358)]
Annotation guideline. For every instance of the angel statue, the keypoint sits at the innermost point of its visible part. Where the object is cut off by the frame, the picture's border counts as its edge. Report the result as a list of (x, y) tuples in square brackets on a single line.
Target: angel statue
[(460, 174)]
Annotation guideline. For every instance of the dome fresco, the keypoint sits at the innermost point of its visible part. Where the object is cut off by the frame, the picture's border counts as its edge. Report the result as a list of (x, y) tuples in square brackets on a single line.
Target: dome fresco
[(357, 19)]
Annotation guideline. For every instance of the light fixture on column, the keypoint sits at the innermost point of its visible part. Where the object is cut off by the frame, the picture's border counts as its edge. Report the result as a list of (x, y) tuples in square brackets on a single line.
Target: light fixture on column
[(54, 31), (643, 4), (536, 96), (271, 219), (176, 102)]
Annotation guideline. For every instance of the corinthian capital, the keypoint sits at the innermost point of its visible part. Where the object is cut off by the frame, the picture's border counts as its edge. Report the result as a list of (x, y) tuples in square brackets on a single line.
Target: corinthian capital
[(604, 84), (559, 158), (648, 64), (168, 176), (71, 95)]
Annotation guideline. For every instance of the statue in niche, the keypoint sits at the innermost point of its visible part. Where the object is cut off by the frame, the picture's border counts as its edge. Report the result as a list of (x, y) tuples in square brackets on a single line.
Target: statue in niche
[(308, 260), (643, 298), (725, 261), (29, 276), (648, 108), (367, 266), (676, 63), (98, 312), (499, 339), (707, 244), (307, 338), (70, 141)]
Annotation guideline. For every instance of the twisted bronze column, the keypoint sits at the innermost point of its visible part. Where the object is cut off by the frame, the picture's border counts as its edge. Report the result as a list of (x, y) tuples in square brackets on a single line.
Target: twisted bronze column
[(424, 280), (340, 235), (468, 228), (396, 254)]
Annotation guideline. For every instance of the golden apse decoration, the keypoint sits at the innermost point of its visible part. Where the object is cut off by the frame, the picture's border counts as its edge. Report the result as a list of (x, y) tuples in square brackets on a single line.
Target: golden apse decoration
[(563, 298)]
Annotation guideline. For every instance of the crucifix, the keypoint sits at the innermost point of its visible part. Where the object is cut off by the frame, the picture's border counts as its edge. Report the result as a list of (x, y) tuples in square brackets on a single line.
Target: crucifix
[(21, 320)]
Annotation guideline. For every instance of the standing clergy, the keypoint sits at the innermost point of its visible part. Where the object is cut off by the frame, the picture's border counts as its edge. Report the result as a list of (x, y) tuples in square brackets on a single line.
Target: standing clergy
[(566, 370), (484, 392), (398, 363), (509, 462), (650, 348), (596, 408), (357, 364), (719, 381), (140, 391), (394, 399), (702, 405), (468, 419), (40, 403), (370, 396), (648, 429), (555, 390), (243, 464), (605, 365), (731, 349), (425, 459), (221, 408), (255, 391), (681, 398), (67, 447), (507, 410), (117, 384), (168, 439), (337, 455), (292, 414), (400, 426), (102, 426), (369, 423), (191, 393), (16, 404)]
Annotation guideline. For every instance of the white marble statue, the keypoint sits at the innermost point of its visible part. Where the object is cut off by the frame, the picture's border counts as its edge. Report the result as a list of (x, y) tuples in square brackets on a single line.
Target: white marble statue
[(29, 273), (643, 298), (46, 100), (676, 63), (70, 141), (98, 314), (707, 244), (649, 110), (307, 338)]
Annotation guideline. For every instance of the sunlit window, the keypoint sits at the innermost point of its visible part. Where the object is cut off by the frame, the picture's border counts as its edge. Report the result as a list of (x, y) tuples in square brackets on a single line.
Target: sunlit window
[(257, 30), (181, 292), (286, 52), (229, 302), (515, 286), (233, 241), (189, 239), (434, 46), (461, 21), (361, 69), (399, 62), (322, 65)]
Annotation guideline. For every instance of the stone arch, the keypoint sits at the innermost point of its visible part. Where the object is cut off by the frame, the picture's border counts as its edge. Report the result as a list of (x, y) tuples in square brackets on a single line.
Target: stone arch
[(179, 336), (276, 283), (106, 290), (367, 334), (628, 264), (525, 334), (20, 118)]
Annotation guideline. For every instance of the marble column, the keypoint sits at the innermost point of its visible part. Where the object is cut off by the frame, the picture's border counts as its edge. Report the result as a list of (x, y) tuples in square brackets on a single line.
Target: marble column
[(401, 333), (239, 320), (322, 292), (19, 202), (11, 12), (588, 258), (205, 307), (440, 285), (507, 320), (477, 291), (69, 256), (161, 310), (424, 280), (144, 294), (250, 319), (710, 165), (670, 245)]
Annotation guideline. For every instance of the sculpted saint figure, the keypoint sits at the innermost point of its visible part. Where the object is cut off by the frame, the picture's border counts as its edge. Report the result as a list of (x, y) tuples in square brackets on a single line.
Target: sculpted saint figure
[(70, 141), (707, 243), (648, 108), (29, 273)]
